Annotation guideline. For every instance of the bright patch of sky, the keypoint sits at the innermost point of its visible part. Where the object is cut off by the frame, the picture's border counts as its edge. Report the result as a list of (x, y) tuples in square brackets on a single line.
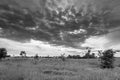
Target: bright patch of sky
[(95, 42), (35, 47)]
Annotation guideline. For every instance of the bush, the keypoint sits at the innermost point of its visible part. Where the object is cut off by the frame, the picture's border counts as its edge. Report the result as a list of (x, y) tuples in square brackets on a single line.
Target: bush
[(36, 56), (3, 53), (63, 57), (74, 57), (107, 59)]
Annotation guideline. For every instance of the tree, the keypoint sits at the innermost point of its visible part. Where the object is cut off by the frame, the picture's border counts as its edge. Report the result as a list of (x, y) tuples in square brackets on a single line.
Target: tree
[(3, 53), (87, 55), (107, 58), (36, 56), (93, 55), (23, 53)]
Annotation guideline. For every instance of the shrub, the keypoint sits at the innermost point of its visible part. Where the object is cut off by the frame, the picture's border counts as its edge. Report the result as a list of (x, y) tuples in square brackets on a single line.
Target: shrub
[(63, 57), (36, 56), (74, 57), (107, 59), (3, 53)]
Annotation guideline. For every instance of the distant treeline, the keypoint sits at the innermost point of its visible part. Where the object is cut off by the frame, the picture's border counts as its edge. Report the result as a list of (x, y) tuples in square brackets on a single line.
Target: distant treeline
[(81, 57), (88, 55)]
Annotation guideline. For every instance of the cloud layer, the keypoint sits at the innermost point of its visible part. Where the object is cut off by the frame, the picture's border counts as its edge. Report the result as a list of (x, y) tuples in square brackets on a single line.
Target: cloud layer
[(69, 23)]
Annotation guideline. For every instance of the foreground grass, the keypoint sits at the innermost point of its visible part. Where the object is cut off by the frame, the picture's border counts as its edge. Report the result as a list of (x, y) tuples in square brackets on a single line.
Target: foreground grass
[(55, 69)]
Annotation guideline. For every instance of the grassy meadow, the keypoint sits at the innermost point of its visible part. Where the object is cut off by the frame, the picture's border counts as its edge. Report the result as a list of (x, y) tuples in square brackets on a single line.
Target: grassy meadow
[(56, 69)]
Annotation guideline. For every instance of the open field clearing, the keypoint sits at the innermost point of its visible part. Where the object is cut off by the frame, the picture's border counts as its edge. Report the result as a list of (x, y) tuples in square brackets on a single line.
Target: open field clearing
[(56, 69)]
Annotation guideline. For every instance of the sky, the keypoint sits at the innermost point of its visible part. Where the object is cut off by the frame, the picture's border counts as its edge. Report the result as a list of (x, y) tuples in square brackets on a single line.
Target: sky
[(52, 27)]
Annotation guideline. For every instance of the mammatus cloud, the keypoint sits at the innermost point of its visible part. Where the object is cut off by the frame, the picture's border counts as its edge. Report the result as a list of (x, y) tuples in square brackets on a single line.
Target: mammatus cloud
[(69, 23)]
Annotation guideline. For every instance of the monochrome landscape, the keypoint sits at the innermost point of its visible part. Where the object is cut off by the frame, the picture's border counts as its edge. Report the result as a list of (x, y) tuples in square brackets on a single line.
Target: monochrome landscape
[(59, 40)]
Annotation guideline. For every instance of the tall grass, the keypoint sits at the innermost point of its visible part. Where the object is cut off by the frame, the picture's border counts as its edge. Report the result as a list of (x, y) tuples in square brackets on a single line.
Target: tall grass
[(55, 69)]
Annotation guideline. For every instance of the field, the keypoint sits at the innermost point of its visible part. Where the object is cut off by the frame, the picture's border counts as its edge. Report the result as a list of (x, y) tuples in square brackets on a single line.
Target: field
[(56, 69)]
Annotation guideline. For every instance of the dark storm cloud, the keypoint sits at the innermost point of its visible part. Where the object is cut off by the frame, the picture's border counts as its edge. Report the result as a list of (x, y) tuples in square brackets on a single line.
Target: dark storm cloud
[(25, 20)]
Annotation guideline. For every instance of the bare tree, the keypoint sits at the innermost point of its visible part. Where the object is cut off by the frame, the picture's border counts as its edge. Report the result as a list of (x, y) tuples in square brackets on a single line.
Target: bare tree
[(63, 57)]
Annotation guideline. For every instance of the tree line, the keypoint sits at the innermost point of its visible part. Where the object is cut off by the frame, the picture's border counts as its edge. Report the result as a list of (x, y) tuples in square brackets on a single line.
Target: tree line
[(106, 57)]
